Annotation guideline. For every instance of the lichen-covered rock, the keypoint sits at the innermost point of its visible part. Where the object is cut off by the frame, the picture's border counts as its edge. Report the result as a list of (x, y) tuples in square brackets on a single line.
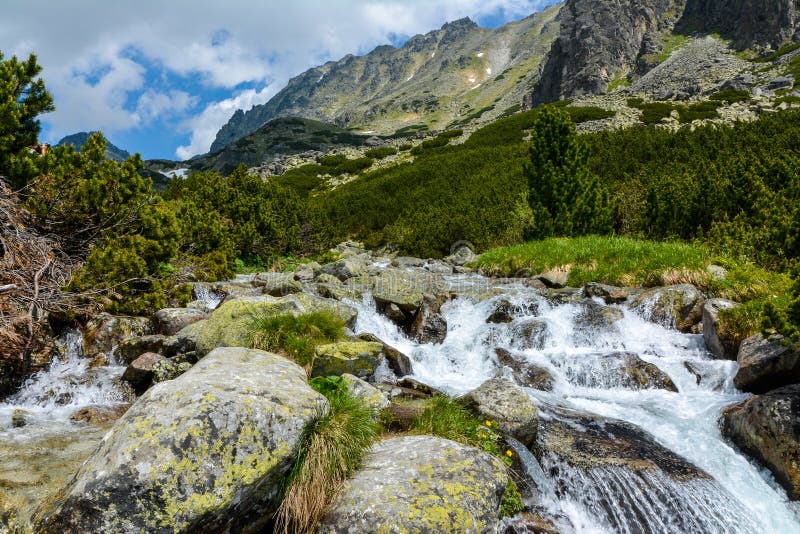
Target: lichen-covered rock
[(404, 289), (372, 396), (277, 284), (420, 484), (229, 325), (359, 358), (525, 373), (508, 405), (139, 372), (461, 256), (718, 342), (169, 370), (105, 331), (405, 262), (767, 427), (131, 348), (679, 306), (170, 321), (203, 453), (766, 364)]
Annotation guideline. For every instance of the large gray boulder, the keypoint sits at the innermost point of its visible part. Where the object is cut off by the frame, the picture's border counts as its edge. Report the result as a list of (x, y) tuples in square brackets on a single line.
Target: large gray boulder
[(203, 453), (718, 342), (420, 484), (766, 364), (230, 324), (170, 321), (277, 284), (348, 267), (501, 401), (359, 358), (767, 427), (679, 306)]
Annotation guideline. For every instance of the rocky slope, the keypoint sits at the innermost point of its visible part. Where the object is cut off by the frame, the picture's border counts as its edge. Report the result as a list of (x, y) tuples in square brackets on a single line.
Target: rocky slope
[(601, 42), (79, 139), (430, 82)]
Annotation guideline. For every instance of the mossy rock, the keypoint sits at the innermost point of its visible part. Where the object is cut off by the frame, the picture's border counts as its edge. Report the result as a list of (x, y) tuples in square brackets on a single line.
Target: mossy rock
[(229, 325), (501, 401), (206, 452), (359, 358), (420, 484)]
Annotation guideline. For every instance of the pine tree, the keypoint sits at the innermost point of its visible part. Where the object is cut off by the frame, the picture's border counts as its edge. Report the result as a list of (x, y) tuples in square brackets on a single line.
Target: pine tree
[(23, 97), (565, 198)]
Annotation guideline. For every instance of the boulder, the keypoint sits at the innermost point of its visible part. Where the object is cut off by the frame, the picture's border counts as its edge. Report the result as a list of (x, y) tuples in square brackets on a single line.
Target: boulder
[(718, 342), (169, 370), (428, 325), (105, 331), (503, 312), (229, 325), (372, 396), (507, 404), (406, 262), (614, 370), (420, 484), (395, 314), (329, 279), (349, 248), (554, 278), (170, 321), (767, 427), (766, 364), (594, 317), (529, 334), (348, 267), (404, 289), (131, 348), (277, 284), (19, 418), (359, 358), (398, 362), (609, 294), (100, 416), (139, 372), (781, 82), (461, 255), (679, 306), (206, 452), (525, 373)]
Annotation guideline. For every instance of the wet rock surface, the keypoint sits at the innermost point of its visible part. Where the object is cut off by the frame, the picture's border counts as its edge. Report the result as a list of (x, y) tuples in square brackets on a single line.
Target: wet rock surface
[(767, 427), (718, 342), (679, 306), (766, 363), (525, 373)]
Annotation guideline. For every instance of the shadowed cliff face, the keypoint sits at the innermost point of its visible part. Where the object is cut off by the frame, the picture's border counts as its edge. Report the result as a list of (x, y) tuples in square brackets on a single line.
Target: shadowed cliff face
[(600, 40), (747, 23)]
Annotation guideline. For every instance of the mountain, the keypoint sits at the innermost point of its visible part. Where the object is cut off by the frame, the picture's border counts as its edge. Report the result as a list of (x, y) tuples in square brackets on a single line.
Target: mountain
[(600, 41), (79, 139), (285, 135), (458, 72)]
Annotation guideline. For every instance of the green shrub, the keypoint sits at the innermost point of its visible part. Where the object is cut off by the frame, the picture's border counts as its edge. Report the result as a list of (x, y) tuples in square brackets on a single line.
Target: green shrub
[(450, 134), (581, 114), (699, 111), (731, 95), (332, 448), (654, 112), (406, 146), (295, 337), (564, 197), (436, 142), (332, 160), (381, 152)]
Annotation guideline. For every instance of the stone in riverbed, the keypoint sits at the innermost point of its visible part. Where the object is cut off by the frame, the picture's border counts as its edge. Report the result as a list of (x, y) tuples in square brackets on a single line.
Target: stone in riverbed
[(767, 427), (766, 364), (105, 331), (131, 348), (719, 343), (508, 405), (139, 372), (679, 306), (428, 325), (525, 373), (97, 415), (203, 453), (529, 334), (277, 284), (398, 362), (170, 321), (420, 484)]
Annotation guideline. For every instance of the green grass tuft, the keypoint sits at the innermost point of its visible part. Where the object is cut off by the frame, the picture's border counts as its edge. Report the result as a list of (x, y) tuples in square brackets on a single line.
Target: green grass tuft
[(332, 448), (295, 337)]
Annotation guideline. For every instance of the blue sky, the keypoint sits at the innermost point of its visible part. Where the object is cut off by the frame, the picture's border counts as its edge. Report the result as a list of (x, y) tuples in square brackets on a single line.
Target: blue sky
[(160, 78)]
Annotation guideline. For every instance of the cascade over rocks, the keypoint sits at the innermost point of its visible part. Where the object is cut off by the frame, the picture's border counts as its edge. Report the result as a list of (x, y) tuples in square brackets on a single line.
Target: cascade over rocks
[(766, 364), (420, 484), (525, 373), (205, 452), (767, 427), (106, 331)]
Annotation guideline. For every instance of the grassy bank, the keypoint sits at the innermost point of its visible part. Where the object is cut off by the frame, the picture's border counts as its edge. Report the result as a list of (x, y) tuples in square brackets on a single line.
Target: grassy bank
[(631, 262)]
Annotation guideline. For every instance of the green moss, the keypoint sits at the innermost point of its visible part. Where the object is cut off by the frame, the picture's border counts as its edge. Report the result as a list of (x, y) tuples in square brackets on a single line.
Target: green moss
[(620, 80)]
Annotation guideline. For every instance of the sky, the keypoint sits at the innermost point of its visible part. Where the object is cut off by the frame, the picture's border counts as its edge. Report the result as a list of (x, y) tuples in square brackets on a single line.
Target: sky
[(161, 77)]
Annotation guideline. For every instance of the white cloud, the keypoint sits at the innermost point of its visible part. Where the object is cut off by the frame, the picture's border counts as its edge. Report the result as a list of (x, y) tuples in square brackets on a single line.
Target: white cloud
[(204, 127), (221, 45)]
